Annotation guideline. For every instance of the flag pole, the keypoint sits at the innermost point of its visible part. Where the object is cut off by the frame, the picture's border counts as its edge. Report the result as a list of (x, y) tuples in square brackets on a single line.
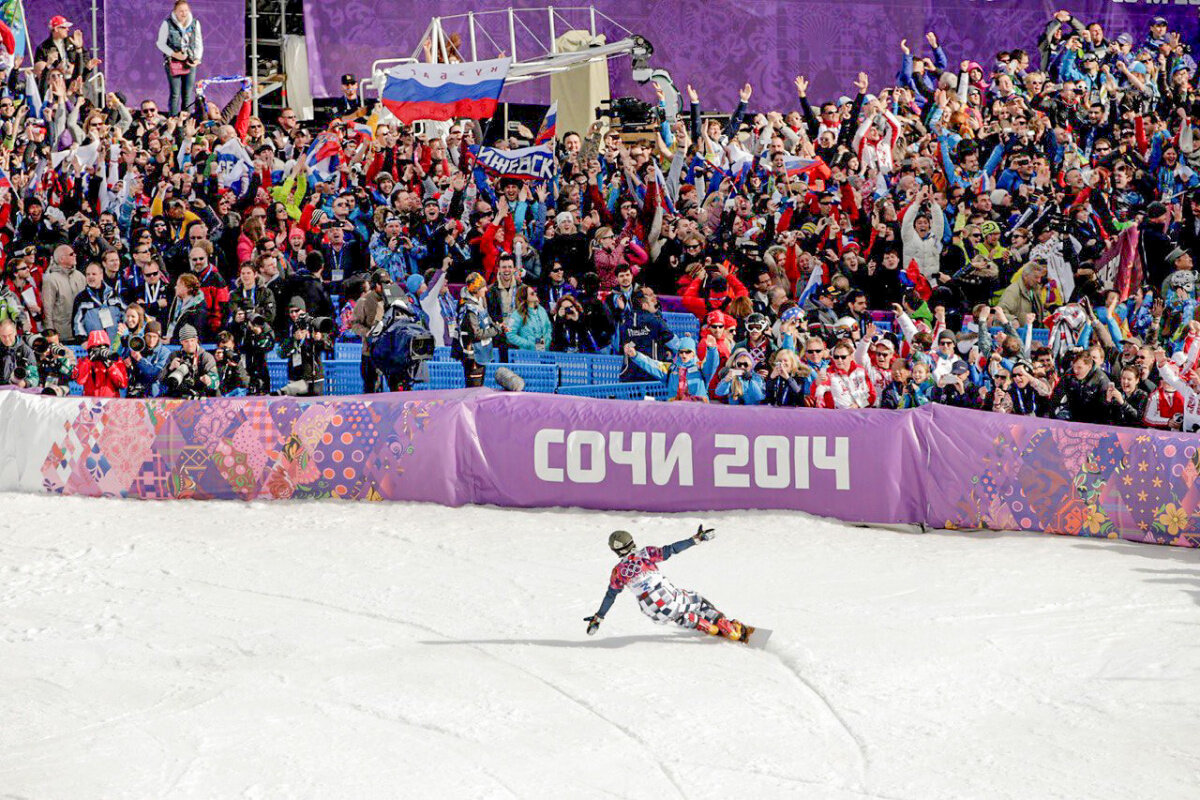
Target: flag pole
[(28, 38)]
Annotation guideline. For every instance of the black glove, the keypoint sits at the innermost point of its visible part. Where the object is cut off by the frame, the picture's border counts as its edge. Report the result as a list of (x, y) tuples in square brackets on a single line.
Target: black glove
[(593, 623), (703, 534)]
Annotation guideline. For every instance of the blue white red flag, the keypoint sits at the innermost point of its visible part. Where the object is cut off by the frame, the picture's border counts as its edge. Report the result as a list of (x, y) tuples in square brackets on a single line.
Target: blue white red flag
[(812, 169), (444, 91), (324, 157), (5, 183), (816, 279), (549, 130)]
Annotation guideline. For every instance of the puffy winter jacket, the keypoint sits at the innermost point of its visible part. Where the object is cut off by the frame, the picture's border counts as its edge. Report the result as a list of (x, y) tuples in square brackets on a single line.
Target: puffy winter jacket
[(101, 379), (524, 334)]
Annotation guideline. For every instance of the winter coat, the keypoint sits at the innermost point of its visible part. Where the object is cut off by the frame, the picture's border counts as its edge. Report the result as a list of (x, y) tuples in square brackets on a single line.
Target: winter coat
[(685, 381), (100, 379), (143, 381), (787, 392), (926, 252), (192, 311), (19, 355), (476, 331), (849, 389), (650, 335), (1081, 400), (526, 333), (60, 287), (97, 309), (754, 390)]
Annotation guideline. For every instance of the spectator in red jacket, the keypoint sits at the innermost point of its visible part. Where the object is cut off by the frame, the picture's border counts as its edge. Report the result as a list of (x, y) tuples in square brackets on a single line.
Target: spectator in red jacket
[(101, 373), (713, 291)]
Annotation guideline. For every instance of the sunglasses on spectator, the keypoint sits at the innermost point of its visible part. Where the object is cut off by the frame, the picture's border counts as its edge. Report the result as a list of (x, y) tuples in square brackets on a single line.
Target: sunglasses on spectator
[(837, 357), (154, 274), (816, 352)]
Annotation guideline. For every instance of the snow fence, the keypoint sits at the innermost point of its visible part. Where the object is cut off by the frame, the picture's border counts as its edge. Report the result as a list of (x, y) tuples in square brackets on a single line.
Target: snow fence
[(938, 466)]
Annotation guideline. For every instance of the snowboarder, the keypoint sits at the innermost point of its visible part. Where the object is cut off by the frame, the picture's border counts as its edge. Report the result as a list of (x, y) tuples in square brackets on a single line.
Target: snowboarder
[(658, 598)]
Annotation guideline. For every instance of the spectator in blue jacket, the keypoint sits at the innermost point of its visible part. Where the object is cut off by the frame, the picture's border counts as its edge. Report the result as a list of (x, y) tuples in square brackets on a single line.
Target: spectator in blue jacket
[(97, 307), (741, 385), (529, 325), (684, 376), (147, 364)]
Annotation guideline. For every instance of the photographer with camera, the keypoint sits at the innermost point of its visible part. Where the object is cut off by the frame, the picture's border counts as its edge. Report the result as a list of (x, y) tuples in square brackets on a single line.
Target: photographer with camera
[(232, 378), (101, 373), (309, 341), (56, 364), (146, 359), (191, 371), (257, 342), (250, 297), (18, 364)]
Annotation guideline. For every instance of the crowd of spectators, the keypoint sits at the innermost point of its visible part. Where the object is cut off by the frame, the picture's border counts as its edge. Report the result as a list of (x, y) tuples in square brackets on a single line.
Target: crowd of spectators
[(892, 247)]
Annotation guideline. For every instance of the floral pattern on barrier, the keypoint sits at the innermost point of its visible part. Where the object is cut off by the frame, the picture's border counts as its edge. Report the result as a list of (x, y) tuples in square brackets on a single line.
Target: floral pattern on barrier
[(1087, 481), (236, 448)]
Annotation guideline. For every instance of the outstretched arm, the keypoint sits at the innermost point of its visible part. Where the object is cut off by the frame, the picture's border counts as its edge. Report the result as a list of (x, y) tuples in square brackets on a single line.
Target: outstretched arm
[(702, 534)]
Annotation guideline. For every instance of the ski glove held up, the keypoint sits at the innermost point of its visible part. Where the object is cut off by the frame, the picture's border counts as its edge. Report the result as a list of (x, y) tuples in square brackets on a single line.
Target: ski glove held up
[(593, 624), (703, 534)]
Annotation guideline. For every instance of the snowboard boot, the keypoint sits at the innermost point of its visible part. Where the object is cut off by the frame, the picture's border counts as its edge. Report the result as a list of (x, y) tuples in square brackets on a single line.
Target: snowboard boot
[(732, 629)]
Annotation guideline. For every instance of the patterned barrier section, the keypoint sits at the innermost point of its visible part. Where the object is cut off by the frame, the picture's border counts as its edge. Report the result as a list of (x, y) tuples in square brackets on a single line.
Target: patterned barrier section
[(949, 468)]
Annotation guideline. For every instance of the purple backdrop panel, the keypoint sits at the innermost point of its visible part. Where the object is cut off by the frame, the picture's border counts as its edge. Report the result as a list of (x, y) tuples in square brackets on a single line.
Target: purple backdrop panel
[(721, 44), (542, 450), (238, 449), (1015, 473)]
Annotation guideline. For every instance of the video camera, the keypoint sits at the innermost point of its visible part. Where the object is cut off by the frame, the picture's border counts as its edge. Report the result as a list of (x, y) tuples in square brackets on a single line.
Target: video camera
[(629, 115), (400, 345)]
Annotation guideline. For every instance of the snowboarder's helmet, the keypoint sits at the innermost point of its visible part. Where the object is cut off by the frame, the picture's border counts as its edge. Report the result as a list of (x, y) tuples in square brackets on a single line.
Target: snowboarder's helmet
[(621, 543)]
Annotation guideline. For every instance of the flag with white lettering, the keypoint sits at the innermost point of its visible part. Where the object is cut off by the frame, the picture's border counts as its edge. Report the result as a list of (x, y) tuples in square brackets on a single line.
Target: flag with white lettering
[(527, 163)]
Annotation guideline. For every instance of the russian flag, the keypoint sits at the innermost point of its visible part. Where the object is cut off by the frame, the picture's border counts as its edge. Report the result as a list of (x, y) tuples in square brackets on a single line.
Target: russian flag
[(813, 169), (816, 279), (444, 91), (549, 129), (324, 154), (5, 183), (912, 277)]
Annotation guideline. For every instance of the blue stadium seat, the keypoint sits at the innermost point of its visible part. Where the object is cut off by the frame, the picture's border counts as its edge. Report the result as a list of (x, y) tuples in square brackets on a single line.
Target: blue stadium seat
[(441, 354), (348, 350), (277, 368), (682, 323), (538, 377), (444, 375), (343, 377), (606, 369), (618, 391), (530, 357), (574, 369)]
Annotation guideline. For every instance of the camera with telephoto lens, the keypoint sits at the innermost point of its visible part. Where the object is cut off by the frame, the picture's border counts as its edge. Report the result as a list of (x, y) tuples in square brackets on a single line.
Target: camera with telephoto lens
[(322, 325), (40, 345), (180, 378), (137, 344), (19, 374), (102, 353)]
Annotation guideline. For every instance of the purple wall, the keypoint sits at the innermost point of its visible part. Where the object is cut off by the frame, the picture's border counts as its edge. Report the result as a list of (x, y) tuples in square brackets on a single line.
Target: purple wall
[(719, 45), (128, 30), (946, 467)]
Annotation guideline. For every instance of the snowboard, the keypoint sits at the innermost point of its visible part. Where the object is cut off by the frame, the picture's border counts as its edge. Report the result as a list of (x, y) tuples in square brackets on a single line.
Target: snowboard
[(757, 637)]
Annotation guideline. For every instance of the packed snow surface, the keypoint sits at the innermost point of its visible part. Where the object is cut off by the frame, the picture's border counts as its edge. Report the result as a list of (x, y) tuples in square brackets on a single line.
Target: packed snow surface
[(329, 650)]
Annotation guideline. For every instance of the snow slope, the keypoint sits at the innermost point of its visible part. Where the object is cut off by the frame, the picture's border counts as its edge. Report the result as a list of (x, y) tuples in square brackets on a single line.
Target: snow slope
[(334, 650)]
